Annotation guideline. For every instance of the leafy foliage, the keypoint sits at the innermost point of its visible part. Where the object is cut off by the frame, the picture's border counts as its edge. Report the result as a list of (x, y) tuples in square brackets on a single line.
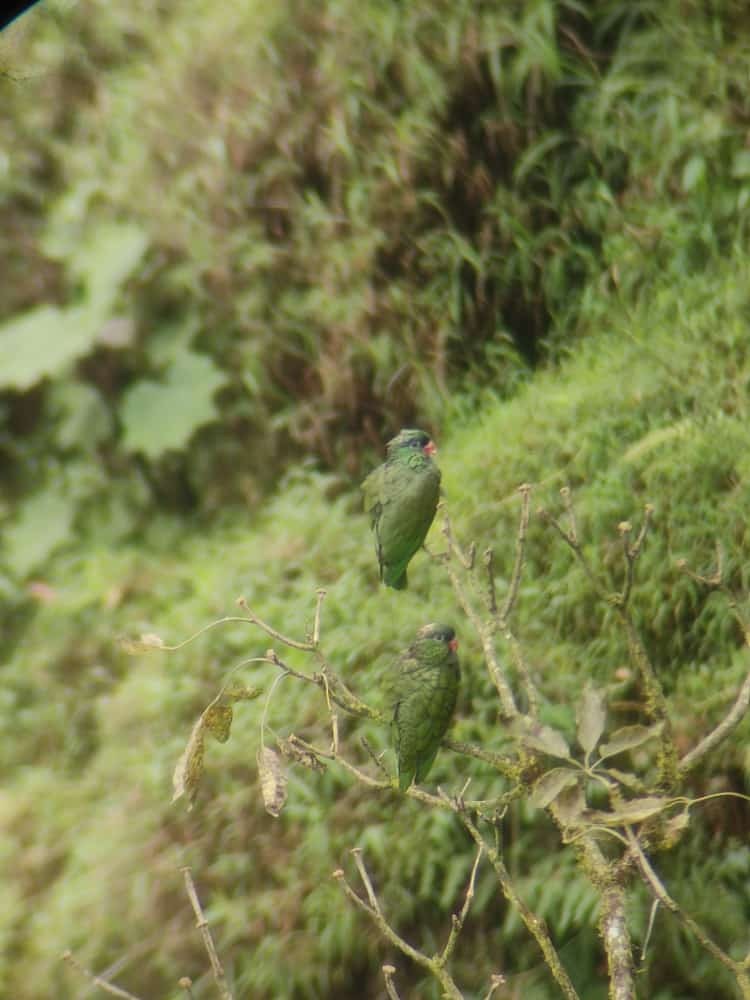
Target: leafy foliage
[(226, 247)]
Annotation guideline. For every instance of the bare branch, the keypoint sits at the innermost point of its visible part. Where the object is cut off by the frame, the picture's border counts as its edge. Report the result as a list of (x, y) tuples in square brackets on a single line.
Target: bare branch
[(515, 580), (535, 925), (334, 688), (484, 631), (655, 702), (454, 549), (501, 762), (488, 558), (205, 931), (717, 735), (738, 969), (372, 908), (496, 981), (366, 881), (253, 619), (316, 621), (457, 921), (103, 984), (316, 752), (633, 551), (389, 971)]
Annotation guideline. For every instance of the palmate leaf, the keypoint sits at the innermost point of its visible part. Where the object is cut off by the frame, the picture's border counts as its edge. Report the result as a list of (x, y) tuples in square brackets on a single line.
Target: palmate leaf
[(635, 811), (628, 738), (590, 717), (551, 784), (546, 739), (160, 416)]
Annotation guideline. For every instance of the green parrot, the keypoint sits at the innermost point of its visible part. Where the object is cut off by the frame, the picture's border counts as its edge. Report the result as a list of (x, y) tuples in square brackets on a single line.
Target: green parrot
[(401, 497), (424, 690)]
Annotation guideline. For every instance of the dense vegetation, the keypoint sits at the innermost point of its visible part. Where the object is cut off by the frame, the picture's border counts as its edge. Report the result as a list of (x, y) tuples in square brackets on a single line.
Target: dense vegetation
[(244, 243)]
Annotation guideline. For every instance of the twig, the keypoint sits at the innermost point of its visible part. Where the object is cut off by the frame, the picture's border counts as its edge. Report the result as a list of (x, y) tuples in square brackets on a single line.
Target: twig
[(377, 758), (649, 929), (515, 580), (366, 881), (466, 560), (717, 735), (389, 971), (655, 702), (457, 921), (488, 558), (316, 621), (208, 941), (535, 925), (507, 766), (104, 984), (653, 881), (496, 981), (632, 552), (484, 631), (372, 908), (331, 684), (253, 619), (365, 779)]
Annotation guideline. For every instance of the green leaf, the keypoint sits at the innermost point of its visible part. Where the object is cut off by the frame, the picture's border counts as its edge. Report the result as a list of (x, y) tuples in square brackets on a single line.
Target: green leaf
[(546, 739), (43, 342), (549, 786), (631, 781), (160, 416), (627, 738), (569, 805), (590, 717), (106, 258), (42, 525), (694, 173), (634, 811), (48, 339)]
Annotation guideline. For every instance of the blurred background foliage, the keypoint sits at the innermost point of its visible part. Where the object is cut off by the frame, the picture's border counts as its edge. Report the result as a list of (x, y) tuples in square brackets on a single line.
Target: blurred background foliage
[(243, 244)]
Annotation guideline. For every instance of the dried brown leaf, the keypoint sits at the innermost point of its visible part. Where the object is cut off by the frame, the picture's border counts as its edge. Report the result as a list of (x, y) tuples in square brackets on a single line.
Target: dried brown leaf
[(217, 719), (189, 767), (272, 780)]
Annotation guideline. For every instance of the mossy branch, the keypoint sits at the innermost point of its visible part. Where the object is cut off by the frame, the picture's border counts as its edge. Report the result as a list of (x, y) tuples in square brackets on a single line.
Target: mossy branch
[(534, 924)]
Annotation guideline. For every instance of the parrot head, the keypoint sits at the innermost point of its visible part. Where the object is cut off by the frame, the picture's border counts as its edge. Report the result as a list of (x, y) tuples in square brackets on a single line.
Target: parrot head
[(412, 438)]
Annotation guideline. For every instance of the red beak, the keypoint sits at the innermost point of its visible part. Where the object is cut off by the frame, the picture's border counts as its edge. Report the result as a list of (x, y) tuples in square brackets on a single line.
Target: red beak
[(430, 449), (453, 645)]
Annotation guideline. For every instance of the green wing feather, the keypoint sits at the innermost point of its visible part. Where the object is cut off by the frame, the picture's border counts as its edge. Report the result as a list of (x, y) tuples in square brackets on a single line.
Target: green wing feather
[(401, 497), (425, 691)]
